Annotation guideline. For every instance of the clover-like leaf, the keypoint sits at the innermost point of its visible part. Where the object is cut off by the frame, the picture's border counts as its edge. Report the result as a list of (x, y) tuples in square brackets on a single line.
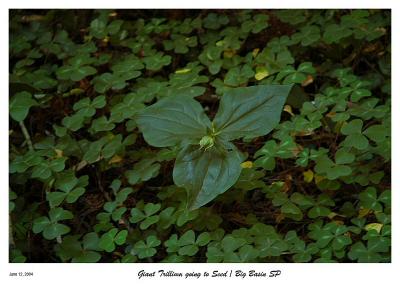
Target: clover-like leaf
[(172, 243), (49, 226), (331, 233), (52, 231), (146, 249), (136, 215), (20, 104), (128, 68), (211, 57), (112, 238), (343, 156), (292, 75), (187, 77), (102, 124), (23, 162), (237, 76), (77, 68), (257, 24), (143, 171), (369, 253), (214, 254), (377, 133), (107, 81), (230, 243), (180, 43), (332, 171), (45, 168), (70, 188), (147, 217), (266, 155), (215, 21), (157, 61), (167, 218), (369, 199), (248, 253), (354, 136), (307, 35), (334, 33), (321, 207), (99, 28)]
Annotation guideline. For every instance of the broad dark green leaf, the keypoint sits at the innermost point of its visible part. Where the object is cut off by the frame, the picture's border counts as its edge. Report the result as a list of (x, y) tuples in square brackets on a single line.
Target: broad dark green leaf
[(172, 120), (250, 111), (206, 173)]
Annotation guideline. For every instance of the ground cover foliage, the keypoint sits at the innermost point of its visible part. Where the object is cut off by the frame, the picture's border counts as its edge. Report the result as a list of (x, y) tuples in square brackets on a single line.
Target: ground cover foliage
[(87, 184)]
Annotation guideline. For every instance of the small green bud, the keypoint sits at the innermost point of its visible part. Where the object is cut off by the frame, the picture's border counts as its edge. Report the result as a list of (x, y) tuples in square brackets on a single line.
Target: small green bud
[(206, 142)]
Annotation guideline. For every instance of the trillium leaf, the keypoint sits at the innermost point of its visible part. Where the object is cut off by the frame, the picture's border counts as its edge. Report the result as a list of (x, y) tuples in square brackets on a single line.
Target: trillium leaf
[(206, 173), (172, 120), (250, 111), (213, 165)]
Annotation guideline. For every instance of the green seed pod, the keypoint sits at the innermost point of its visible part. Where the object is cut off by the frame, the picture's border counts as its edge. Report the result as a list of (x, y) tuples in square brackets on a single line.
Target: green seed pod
[(206, 142)]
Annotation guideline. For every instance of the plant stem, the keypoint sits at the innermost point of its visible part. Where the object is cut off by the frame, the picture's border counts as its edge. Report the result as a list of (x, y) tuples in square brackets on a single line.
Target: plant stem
[(11, 237), (26, 135)]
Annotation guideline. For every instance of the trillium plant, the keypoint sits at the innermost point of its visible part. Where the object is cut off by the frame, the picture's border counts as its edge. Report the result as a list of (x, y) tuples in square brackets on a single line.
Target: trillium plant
[(208, 163)]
